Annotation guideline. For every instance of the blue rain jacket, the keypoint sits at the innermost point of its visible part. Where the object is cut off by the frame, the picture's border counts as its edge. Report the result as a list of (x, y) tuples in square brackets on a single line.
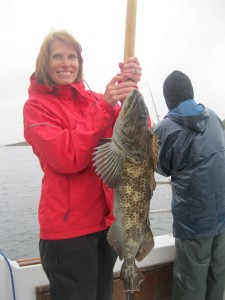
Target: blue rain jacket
[(192, 152)]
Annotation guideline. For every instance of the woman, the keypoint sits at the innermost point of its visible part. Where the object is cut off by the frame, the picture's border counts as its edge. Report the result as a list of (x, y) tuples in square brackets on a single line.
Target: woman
[(64, 122)]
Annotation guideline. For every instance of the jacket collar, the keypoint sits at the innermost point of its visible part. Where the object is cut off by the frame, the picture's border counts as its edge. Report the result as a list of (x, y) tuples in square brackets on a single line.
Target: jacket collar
[(54, 89)]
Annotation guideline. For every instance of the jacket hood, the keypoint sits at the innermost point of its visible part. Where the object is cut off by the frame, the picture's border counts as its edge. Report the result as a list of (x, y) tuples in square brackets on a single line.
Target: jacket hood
[(190, 114), (177, 87)]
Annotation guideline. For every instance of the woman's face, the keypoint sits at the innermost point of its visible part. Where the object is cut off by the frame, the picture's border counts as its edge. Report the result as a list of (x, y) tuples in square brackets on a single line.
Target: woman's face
[(63, 64)]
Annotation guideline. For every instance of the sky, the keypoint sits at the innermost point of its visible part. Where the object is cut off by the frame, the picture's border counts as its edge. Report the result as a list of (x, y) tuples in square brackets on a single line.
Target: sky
[(185, 35)]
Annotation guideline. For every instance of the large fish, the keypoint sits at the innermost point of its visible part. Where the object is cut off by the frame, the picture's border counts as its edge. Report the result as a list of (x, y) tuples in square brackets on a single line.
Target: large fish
[(126, 163)]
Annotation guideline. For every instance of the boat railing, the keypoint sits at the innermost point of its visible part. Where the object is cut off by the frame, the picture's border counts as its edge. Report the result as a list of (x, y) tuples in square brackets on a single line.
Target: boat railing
[(163, 210), (158, 182), (159, 211)]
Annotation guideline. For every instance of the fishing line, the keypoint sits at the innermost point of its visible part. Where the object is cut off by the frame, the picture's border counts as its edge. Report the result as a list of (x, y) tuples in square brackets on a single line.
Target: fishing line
[(11, 274), (90, 90)]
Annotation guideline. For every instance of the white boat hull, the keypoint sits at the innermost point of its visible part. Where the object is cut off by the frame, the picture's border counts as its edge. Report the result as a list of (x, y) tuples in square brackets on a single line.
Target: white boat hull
[(26, 278)]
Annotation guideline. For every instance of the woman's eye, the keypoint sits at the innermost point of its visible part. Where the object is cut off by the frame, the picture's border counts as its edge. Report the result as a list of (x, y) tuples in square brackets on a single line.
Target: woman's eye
[(73, 57), (56, 57)]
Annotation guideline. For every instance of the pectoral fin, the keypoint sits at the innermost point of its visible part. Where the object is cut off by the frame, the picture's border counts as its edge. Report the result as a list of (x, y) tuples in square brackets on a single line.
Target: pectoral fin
[(109, 163)]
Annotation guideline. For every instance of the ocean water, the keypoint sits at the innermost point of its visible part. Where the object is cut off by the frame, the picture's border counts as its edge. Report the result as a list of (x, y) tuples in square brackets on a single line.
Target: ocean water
[(20, 182)]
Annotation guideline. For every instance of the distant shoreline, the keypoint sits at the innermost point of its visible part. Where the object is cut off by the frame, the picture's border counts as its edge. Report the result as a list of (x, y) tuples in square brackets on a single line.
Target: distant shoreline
[(26, 144), (18, 144)]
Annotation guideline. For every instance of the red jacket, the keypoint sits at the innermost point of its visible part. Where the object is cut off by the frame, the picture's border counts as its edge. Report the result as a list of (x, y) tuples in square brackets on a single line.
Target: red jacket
[(64, 124)]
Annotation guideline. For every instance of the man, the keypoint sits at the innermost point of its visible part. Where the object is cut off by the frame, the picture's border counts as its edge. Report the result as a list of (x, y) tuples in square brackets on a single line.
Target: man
[(192, 151)]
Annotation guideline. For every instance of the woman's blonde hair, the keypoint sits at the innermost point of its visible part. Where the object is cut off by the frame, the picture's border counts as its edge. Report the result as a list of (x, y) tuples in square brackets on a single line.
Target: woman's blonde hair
[(42, 73)]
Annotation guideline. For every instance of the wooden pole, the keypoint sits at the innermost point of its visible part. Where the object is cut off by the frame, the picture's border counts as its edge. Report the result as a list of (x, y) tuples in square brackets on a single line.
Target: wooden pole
[(130, 29)]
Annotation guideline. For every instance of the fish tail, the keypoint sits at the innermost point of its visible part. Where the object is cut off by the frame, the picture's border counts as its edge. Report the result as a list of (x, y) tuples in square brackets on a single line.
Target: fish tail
[(131, 276), (129, 295)]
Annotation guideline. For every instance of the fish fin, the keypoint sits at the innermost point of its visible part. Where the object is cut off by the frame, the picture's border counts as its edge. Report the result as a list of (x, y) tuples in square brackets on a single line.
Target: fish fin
[(155, 150), (104, 141), (131, 276), (146, 245), (109, 163), (113, 241)]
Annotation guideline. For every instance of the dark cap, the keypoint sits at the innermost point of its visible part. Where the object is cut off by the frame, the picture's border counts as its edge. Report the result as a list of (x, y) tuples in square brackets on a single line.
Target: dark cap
[(177, 87)]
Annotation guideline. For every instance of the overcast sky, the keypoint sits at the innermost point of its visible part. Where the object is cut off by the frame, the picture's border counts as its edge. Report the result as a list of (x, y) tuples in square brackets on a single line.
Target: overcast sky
[(185, 35)]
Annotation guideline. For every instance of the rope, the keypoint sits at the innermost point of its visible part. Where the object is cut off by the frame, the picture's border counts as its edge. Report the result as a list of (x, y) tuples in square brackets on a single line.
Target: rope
[(11, 274)]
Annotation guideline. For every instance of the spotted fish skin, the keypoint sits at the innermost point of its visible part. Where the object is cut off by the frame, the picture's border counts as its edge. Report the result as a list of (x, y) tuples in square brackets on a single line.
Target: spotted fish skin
[(127, 164)]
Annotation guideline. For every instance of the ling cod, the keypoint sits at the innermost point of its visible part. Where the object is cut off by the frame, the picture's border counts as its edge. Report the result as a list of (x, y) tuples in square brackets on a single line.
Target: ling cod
[(126, 163)]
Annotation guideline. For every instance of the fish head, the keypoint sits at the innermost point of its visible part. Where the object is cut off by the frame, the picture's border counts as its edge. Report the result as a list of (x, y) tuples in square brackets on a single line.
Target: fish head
[(130, 130)]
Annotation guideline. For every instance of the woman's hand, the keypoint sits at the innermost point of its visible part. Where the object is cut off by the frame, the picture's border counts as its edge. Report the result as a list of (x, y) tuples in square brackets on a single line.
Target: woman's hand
[(118, 89), (131, 69), (122, 84)]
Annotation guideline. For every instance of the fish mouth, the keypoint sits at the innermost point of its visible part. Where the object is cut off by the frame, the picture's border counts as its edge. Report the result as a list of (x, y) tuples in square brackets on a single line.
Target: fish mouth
[(130, 103), (131, 126), (134, 109)]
